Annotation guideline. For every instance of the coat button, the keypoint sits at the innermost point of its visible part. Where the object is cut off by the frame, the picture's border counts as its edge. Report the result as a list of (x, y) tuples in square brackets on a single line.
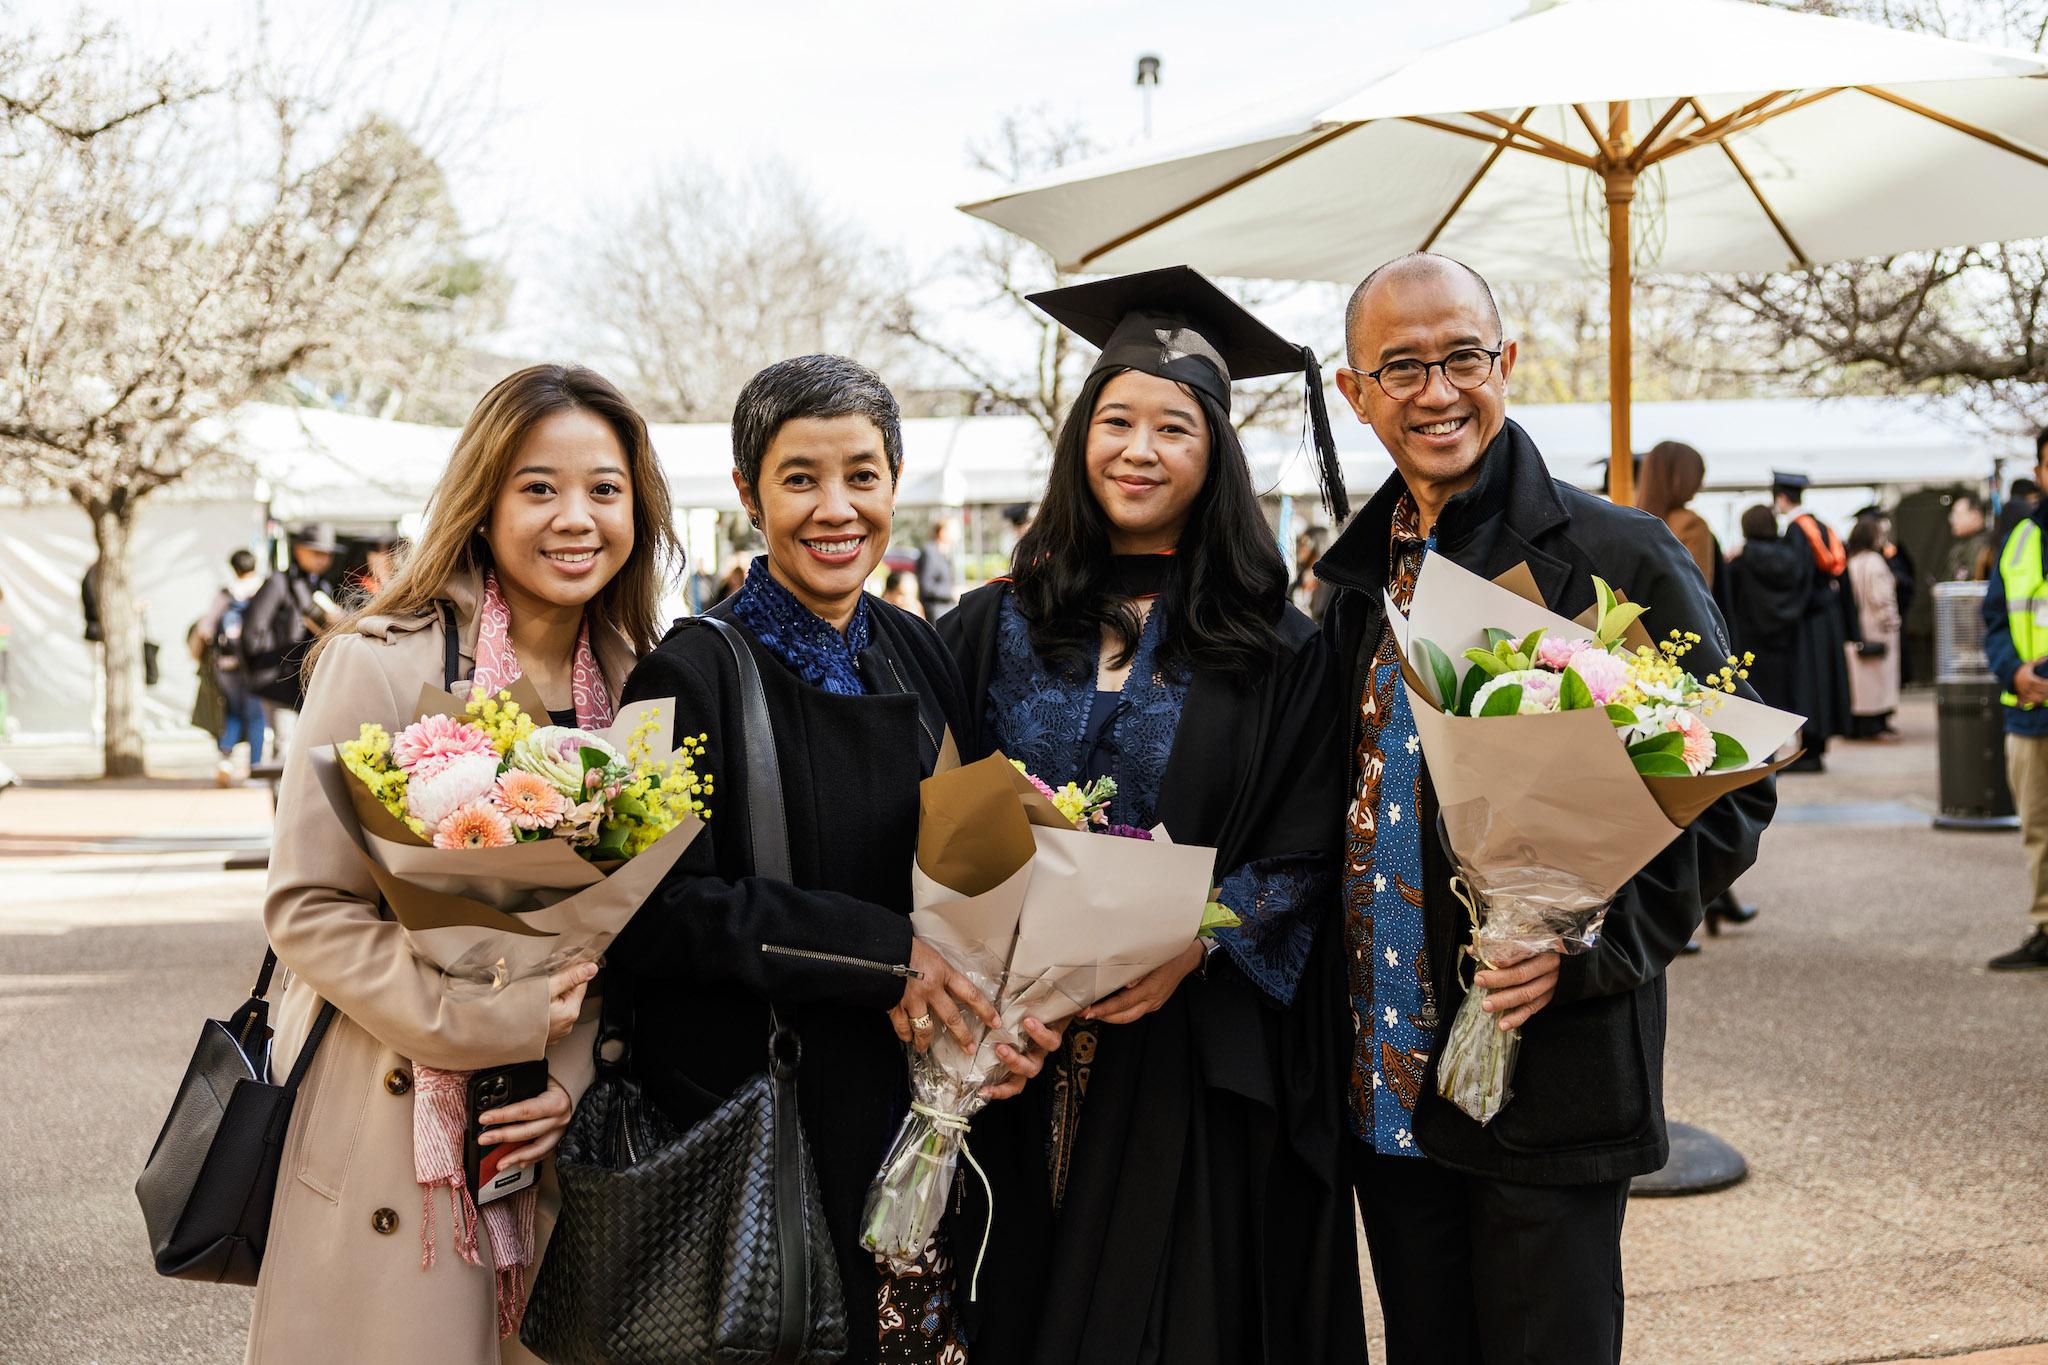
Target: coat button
[(398, 1080), (384, 1220)]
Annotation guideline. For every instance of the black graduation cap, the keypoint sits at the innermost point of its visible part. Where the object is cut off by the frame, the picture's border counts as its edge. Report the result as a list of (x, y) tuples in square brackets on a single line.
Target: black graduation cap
[(1175, 324), (1790, 481)]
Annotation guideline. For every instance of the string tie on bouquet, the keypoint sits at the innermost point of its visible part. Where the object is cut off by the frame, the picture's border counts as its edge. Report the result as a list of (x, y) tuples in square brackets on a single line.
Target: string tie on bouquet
[(954, 1123), (1470, 900)]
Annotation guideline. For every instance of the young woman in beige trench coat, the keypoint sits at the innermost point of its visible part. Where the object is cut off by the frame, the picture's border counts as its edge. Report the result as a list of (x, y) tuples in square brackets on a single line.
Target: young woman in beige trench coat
[(553, 491)]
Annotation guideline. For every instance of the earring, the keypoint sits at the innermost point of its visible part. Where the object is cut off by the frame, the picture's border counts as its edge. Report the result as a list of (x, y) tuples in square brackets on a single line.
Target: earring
[(756, 520)]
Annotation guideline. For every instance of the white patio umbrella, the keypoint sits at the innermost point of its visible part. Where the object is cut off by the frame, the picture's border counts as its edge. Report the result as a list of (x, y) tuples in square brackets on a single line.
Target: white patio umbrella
[(1629, 135)]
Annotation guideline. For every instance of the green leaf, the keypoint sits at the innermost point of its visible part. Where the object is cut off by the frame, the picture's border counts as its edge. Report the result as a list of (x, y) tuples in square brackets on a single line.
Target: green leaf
[(1670, 742), (1660, 765), (631, 807), (593, 757), (1618, 620), (1492, 663), (1605, 594), (1475, 678), (1527, 649), (1506, 701), (1572, 692), (612, 839), (1621, 715), (1216, 915), (1494, 635), (1728, 753), (1437, 667)]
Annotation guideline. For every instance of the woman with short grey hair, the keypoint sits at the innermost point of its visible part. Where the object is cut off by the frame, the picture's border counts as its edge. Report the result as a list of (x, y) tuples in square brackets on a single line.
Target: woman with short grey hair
[(862, 700)]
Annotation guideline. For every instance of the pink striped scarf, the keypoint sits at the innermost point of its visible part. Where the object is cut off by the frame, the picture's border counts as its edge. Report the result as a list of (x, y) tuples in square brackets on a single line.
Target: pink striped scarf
[(441, 1098)]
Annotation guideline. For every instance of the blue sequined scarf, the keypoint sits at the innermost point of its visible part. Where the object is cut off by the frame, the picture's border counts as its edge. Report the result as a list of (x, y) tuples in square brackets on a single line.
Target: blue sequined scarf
[(793, 633)]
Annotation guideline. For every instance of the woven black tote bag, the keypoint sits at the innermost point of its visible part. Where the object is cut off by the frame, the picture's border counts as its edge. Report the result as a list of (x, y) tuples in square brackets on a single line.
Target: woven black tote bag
[(701, 1248)]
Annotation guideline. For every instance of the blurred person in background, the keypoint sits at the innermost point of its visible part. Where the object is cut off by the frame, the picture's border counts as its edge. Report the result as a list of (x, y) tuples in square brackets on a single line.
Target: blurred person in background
[(282, 621), (1769, 582), (1670, 478), (938, 574), (1874, 659), (216, 645), (1972, 555), (1819, 667), (901, 592), (2020, 502), (1309, 597)]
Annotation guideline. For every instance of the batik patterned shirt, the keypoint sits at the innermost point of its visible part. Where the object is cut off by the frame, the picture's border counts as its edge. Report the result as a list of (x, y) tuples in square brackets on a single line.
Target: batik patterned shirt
[(1393, 1008)]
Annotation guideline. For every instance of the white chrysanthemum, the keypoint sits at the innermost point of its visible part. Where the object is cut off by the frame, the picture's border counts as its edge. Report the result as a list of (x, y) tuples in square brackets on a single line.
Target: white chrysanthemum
[(1539, 690), (459, 782), (555, 752)]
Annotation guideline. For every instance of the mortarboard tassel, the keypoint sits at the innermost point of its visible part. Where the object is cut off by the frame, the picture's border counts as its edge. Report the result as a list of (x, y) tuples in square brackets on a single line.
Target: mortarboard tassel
[(1331, 473)]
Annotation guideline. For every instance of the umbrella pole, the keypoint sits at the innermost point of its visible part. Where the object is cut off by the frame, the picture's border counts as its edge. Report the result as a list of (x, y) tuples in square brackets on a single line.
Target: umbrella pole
[(1621, 193)]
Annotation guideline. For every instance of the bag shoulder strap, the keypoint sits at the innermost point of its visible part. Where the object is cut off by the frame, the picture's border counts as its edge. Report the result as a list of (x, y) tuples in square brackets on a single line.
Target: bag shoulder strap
[(766, 814)]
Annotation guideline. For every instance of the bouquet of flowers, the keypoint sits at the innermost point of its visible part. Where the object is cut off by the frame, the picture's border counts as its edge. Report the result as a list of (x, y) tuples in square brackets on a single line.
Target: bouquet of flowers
[(1045, 917), (1564, 759), (508, 849)]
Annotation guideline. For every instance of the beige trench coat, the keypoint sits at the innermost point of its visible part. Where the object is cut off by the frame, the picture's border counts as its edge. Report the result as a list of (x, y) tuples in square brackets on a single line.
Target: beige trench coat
[(1874, 680), (341, 1275)]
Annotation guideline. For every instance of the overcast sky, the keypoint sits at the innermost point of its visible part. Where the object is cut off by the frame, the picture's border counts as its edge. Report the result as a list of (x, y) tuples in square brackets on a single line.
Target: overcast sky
[(871, 102)]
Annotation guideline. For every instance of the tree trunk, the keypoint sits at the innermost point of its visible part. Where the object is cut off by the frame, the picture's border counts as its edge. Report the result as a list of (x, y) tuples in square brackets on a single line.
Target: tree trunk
[(113, 524)]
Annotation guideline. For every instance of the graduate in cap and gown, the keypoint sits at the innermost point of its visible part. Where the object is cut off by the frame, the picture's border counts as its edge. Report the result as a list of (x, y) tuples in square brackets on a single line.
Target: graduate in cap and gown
[(1174, 1189), (1820, 667)]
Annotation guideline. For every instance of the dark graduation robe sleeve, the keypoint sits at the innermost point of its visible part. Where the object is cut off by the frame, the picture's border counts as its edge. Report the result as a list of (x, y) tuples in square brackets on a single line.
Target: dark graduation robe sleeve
[(708, 918), (1280, 843)]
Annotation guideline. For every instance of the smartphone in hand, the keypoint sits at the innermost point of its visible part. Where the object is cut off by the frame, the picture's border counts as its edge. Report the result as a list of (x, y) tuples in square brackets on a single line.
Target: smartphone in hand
[(493, 1088)]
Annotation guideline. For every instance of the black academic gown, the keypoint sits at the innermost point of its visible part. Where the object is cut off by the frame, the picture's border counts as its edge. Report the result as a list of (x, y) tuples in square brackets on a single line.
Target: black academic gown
[(1207, 1218), (1768, 587), (693, 956)]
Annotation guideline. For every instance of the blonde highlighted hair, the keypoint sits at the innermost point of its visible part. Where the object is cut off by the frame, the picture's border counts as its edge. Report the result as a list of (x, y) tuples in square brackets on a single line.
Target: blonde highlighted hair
[(452, 543)]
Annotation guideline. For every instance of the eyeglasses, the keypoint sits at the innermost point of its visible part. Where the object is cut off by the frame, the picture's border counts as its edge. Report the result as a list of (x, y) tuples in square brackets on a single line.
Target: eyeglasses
[(1466, 369)]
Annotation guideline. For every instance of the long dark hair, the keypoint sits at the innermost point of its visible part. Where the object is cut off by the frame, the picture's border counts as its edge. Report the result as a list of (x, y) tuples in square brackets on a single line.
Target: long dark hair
[(1229, 581)]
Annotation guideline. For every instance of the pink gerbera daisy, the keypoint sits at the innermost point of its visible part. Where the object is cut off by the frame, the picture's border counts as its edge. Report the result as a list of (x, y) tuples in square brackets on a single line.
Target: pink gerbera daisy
[(529, 800), (1699, 741), (476, 825), (432, 742)]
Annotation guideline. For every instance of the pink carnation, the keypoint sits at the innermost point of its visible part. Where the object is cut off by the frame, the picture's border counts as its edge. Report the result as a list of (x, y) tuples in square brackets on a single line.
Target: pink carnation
[(1699, 740), (431, 743), (1554, 652), (1605, 675), (476, 825), (529, 800)]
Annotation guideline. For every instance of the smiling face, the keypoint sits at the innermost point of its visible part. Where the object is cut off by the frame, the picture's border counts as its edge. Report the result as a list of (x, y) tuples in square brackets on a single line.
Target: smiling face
[(824, 503), (1425, 310), (1148, 456), (562, 523)]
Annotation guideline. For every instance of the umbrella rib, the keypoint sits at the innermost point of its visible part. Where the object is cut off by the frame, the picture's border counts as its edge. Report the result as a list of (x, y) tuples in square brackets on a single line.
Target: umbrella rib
[(1567, 155), (1592, 130), (1649, 141), (1505, 141), (1758, 194), (1562, 151), (1235, 182), (1950, 121), (1722, 127)]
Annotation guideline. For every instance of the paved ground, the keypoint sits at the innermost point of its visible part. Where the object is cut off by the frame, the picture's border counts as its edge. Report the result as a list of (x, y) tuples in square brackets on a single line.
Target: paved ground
[(1891, 1096)]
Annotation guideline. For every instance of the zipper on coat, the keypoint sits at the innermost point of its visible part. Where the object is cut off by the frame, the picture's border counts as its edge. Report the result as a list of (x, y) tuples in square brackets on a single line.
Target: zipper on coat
[(843, 960)]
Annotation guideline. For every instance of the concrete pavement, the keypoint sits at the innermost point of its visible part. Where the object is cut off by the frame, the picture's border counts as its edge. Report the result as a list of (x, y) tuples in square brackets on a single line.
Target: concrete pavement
[(1890, 1094)]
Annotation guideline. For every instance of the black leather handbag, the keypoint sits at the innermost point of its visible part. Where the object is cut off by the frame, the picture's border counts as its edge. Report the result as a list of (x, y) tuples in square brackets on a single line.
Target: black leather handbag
[(207, 1187), (708, 1247)]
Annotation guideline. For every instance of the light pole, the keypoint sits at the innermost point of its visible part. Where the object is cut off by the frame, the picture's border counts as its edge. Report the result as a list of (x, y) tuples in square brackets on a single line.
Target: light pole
[(1148, 76)]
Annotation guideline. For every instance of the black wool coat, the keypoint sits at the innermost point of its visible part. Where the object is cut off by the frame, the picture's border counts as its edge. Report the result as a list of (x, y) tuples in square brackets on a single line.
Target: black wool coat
[(699, 979), (1588, 1088)]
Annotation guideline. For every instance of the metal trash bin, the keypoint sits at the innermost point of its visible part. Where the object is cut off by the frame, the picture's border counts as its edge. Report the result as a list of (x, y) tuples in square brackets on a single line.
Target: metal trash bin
[(1970, 722)]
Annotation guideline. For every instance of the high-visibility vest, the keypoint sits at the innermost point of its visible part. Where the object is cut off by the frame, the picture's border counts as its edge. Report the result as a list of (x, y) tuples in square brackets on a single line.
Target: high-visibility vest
[(2026, 593)]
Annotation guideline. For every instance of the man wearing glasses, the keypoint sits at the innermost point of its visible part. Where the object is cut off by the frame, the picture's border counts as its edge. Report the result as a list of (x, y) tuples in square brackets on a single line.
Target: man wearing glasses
[(1499, 1243)]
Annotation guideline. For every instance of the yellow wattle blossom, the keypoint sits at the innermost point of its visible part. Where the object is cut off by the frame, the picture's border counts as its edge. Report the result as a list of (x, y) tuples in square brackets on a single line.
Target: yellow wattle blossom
[(503, 719)]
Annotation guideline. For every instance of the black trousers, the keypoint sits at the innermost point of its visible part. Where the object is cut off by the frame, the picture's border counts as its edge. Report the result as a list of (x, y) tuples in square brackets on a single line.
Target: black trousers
[(1473, 1271)]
